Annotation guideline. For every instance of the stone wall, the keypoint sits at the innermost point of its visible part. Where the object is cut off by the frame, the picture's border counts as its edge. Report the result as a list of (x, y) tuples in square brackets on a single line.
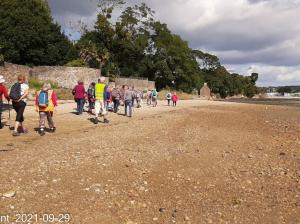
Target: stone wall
[(11, 71), (141, 84), (66, 77)]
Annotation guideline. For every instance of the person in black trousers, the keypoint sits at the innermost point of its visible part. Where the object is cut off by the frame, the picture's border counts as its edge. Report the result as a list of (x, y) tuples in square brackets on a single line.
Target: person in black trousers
[(19, 106)]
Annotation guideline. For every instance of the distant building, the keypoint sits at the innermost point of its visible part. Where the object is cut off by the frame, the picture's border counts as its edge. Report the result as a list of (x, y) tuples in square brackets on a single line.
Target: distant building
[(205, 92)]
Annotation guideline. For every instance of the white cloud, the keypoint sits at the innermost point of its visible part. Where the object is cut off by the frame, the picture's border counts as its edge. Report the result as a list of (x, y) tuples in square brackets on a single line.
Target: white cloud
[(272, 75)]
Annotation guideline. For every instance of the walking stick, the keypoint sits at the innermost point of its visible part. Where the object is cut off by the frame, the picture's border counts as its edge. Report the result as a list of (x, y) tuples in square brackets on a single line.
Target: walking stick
[(9, 120)]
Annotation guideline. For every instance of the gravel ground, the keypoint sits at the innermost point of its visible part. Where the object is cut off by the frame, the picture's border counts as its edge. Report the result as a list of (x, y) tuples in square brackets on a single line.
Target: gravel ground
[(202, 162)]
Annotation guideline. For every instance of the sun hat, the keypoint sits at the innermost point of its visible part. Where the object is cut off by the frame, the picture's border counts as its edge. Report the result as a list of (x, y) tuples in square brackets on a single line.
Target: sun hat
[(46, 86), (2, 80)]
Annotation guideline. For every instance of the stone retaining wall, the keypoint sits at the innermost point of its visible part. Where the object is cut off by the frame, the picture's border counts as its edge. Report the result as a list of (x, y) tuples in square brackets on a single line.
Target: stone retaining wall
[(137, 83), (66, 77)]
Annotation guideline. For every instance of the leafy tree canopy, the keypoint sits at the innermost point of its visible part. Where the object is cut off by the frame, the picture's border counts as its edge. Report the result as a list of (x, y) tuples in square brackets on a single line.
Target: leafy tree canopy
[(136, 45), (29, 35)]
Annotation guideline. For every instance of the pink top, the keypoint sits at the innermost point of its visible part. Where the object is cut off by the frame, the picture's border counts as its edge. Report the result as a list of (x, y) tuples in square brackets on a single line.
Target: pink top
[(175, 98)]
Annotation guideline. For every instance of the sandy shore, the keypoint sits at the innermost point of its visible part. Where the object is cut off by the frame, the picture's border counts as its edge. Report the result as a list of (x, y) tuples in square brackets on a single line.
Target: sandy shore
[(202, 162)]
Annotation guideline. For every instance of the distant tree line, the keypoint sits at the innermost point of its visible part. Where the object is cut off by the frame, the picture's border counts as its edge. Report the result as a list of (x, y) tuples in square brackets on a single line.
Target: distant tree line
[(280, 89), (132, 45)]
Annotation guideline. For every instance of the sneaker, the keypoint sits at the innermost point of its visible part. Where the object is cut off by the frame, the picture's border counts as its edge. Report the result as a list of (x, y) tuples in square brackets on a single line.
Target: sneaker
[(106, 121), (52, 130), (42, 132), (15, 134), (96, 121), (22, 130)]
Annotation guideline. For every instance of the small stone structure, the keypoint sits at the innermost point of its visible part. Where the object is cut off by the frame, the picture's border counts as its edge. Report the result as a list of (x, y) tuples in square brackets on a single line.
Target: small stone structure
[(205, 92)]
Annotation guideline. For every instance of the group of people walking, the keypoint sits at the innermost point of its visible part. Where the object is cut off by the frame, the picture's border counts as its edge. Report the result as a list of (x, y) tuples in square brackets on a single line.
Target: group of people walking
[(45, 101), (101, 99), (172, 97)]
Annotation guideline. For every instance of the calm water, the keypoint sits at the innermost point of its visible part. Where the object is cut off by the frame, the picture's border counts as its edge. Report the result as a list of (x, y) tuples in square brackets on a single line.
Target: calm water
[(280, 101)]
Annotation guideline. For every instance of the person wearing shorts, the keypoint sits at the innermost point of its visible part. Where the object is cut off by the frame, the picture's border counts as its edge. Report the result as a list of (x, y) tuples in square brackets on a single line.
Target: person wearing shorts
[(101, 95), (19, 106)]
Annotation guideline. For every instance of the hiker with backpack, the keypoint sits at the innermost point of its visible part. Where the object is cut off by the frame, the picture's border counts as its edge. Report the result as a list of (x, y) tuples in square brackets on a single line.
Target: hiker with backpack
[(169, 97), (122, 91), (116, 97), (133, 95), (79, 96), (91, 96), (149, 97), (18, 94), (128, 98), (175, 99), (101, 90), (108, 100), (154, 95), (45, 102), (139, 96), (3, 92)]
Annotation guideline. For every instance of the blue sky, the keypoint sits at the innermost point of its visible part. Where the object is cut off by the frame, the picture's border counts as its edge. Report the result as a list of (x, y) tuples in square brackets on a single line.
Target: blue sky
[(248, 35)]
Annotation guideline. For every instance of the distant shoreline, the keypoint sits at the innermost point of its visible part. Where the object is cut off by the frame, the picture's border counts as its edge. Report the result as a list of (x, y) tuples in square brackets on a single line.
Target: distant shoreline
[(277, 101)]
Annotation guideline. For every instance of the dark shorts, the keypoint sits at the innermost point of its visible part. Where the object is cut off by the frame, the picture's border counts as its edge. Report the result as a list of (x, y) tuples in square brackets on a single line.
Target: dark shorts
[(19, 108), (1, 106)]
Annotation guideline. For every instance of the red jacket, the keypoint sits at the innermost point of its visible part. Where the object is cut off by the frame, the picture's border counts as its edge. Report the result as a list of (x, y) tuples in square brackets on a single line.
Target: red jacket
[(79, 91), (3, 91), (175, 98)]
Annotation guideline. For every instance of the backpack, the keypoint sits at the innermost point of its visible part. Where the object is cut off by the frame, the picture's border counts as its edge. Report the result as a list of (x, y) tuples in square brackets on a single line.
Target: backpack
[(134, 95), (91, 93), (114, 93), (43, 99), (15, 92), (154, 93)]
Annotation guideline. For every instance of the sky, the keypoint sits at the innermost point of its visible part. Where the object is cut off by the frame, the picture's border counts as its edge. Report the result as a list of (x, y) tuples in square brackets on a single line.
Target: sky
[(248, 36)]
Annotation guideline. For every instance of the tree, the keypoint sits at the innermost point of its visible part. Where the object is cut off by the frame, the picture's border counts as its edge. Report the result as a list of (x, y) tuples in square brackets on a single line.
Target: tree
[(136, 45), (91, 54), (29, 35), (284, 89), (1, 57), (254, 77), (207, 62)]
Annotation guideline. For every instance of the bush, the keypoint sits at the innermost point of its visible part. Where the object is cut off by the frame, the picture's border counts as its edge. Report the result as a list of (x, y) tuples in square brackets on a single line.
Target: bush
[(64, 94), (37, 84), (76, 63)]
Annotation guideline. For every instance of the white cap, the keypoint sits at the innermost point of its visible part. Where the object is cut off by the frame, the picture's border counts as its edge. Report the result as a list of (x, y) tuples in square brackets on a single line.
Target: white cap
[(102, 79)]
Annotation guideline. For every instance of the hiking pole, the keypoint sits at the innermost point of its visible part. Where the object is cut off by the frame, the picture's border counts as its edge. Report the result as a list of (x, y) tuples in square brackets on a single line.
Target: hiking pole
[(9, 120)]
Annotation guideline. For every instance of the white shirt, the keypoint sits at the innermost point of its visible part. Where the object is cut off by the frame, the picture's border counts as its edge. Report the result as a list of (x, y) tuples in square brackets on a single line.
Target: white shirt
[(24, 88)]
